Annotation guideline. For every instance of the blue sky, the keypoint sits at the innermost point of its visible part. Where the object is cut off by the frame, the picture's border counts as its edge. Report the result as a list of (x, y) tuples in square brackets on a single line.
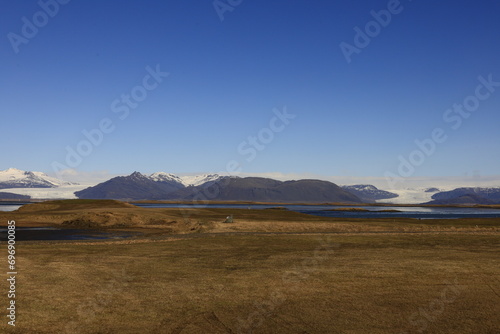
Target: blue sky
[(227, 76)]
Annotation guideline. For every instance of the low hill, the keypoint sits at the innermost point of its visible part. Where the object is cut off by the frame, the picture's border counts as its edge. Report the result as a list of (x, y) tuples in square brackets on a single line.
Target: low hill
[(4, 195), (74, 204)]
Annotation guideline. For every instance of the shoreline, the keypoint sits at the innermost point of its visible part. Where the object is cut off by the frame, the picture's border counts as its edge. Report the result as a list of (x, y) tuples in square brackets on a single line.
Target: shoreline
[(208, 203)]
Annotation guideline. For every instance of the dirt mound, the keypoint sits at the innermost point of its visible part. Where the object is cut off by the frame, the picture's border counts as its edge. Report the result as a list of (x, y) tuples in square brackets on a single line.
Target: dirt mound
[(74, 204)]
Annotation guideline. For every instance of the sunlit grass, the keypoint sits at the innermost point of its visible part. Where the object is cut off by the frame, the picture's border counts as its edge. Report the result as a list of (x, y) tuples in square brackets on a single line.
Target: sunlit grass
[(271, 284)]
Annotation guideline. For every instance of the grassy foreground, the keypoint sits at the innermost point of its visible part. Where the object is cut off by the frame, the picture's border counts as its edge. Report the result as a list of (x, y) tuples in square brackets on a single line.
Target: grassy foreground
[(262, 284), (187, 274)]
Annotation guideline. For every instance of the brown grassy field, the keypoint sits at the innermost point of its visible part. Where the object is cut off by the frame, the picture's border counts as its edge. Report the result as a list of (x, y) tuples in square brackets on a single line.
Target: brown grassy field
[(109, 214), (443, 278)]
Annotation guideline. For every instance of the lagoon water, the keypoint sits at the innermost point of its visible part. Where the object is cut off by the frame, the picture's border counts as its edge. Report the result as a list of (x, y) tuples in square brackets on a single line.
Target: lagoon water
[(326, 210), (9, 207), (374, 211)]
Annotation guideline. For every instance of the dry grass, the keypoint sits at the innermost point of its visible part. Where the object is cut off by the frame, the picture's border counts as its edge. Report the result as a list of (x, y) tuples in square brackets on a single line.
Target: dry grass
[(114, 214), (267, 284), (362, 282)]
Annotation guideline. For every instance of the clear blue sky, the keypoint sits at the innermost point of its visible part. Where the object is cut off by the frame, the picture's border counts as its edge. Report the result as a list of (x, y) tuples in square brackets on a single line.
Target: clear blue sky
[(226, 77)]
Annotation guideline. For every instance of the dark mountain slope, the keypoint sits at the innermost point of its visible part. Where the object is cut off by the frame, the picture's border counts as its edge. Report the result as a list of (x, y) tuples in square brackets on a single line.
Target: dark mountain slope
[(491, 194), (4, 195), (462, 199), (135, 187), (257, 189), (369, 193)]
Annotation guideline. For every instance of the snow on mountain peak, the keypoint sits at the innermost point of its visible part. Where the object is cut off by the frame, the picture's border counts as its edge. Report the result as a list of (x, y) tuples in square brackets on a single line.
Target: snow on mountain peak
[(190, 180), (16, 178), (13, 170), (12, 173), (363, 187), (165, 177), (196, 180)]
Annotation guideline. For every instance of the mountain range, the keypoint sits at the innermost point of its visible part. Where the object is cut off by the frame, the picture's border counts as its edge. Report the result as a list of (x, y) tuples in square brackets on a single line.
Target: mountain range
[(15, 178), (19, 184), (467, 195), (162, 186), (185, 181), (258, 189), (369, 193), (136, 186)]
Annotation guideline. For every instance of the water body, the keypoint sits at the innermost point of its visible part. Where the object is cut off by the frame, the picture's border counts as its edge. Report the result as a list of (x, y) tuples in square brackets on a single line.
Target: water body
[(374, 211), (326, 210), (410, 212), (53, 233), (5, 207)]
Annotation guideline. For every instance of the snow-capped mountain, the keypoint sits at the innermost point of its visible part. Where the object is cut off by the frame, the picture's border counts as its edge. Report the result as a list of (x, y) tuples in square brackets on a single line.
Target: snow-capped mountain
[(165, 177), (198, 180), (40, 185), (138, 186), (369, 192), (491, 194), (15, 178), (186, 181)]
